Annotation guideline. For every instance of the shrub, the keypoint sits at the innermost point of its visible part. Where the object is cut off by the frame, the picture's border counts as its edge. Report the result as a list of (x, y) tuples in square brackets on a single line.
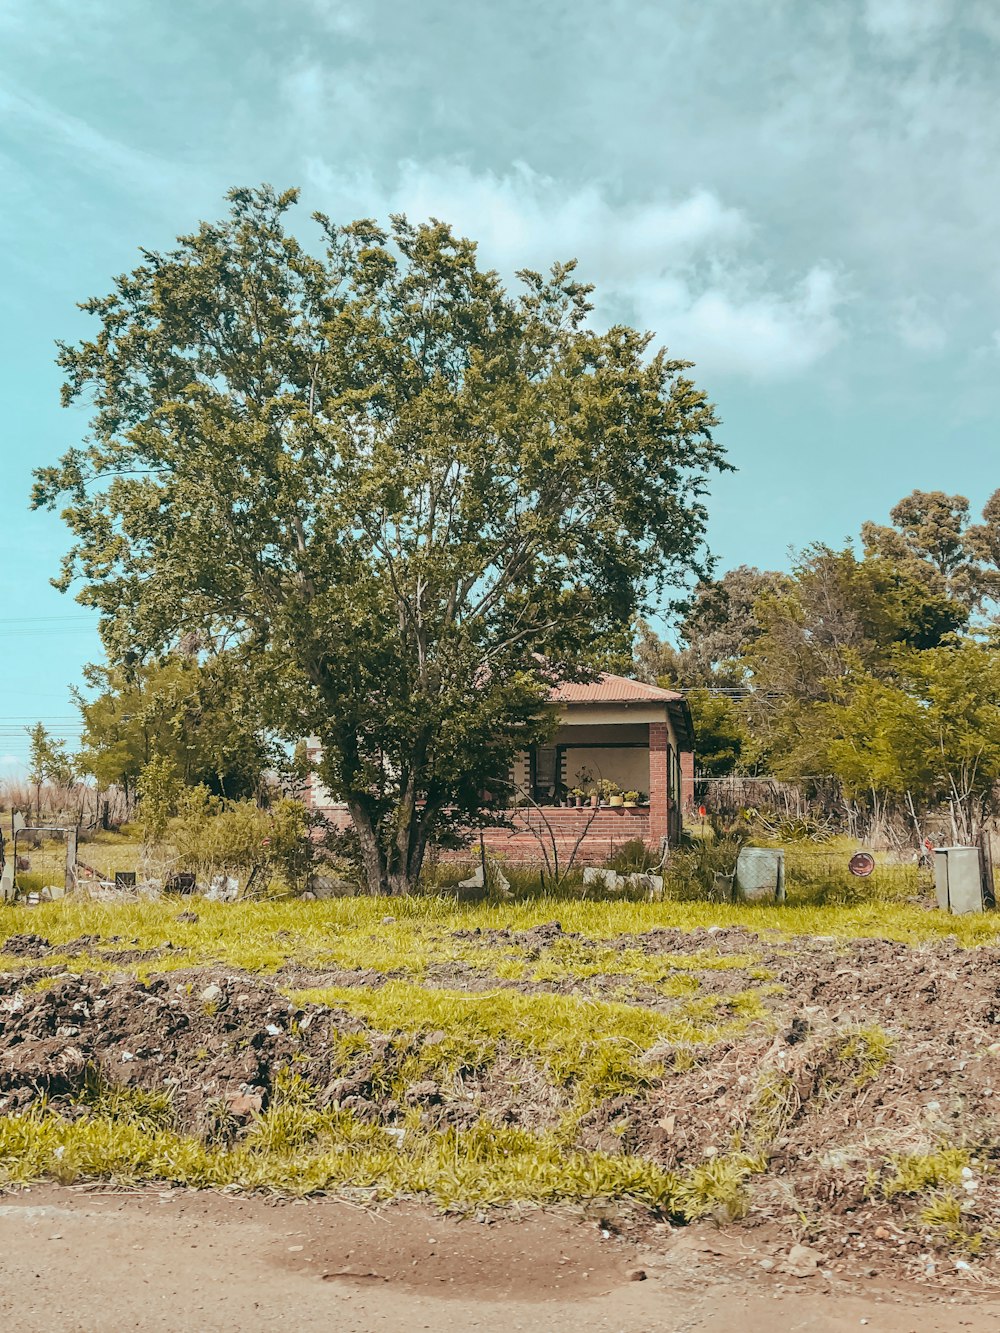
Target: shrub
[(212, 835)]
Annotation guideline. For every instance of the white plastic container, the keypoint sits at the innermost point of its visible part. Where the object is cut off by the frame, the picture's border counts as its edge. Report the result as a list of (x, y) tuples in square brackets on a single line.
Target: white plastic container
[(760, 874), (958, 880)]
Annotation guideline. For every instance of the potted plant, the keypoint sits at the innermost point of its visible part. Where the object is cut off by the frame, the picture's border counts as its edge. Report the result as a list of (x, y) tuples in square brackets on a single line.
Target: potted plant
[(611, 792), (585, 788), (630, 799), (577, 794)]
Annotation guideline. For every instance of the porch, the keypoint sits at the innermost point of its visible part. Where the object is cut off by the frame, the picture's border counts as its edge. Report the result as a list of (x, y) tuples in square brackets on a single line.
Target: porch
[(618, 739)]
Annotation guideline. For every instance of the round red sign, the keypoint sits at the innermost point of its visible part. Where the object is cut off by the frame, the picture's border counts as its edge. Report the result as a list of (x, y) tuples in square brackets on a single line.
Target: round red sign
[(862, 864)]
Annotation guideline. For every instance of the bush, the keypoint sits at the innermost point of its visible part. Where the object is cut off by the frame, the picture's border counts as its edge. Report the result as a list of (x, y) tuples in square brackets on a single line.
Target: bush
[(214, 836), (690, 871), (159, 794), (634, 858)]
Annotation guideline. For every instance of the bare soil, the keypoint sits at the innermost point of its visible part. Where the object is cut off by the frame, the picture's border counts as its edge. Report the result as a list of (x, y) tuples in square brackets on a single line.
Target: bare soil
[(96, 1261), (827, 1115)]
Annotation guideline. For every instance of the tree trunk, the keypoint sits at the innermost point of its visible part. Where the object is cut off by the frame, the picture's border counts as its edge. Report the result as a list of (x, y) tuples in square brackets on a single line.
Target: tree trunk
[(409, 850), (372, 855)]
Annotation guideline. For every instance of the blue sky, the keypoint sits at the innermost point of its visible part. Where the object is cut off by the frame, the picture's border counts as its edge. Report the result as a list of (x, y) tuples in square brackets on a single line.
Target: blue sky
[(802, 199)]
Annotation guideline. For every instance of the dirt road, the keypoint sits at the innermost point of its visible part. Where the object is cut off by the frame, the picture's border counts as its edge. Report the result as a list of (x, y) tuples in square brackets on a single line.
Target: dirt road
[(101, 1262)]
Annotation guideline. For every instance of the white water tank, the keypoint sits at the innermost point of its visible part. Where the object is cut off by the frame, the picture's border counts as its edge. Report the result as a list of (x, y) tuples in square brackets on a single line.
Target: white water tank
[(958, 879), (760, 874)]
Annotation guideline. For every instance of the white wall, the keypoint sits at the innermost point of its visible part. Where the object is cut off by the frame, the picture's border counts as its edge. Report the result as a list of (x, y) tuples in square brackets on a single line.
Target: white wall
[(628, 767)]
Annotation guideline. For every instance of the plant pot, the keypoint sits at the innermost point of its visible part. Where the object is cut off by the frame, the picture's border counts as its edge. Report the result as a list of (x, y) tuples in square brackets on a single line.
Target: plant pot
[(595, 801), (630, 805), (616, 800), (579, 802)]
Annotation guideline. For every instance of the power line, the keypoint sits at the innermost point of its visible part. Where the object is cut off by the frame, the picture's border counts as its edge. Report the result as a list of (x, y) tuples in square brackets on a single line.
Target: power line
[(34, 620)]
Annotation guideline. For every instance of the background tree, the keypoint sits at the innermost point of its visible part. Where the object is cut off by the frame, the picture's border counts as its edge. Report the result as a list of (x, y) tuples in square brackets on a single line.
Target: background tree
[(721, 624), (406, 499), (931, 735), (838, 614), (197, 715), (48, 761), (718, 630), (932, 534)]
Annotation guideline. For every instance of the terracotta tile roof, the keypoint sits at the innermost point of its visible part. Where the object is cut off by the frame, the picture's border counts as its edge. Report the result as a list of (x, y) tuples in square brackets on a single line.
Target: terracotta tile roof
[(608, 689)]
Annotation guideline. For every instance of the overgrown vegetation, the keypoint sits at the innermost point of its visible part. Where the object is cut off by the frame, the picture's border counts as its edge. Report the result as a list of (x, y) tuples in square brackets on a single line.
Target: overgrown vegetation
[(485, 1053), (866, 680)]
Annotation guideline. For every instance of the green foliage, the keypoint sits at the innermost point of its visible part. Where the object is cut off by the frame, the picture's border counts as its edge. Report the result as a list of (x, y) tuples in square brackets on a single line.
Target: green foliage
[(721, 625), (720, 734), (931, 532), (291, 848), (405, 498), (633, 857), (212, 835), (159, 789), (47, 758), (196, 714), (933, 732), (693, 870), (840, 612)]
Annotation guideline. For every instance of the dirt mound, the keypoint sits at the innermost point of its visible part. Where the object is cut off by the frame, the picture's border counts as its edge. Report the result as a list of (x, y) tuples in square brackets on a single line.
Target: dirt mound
[(529, 942), (203, 1037), (26, 946), (833, 1107)]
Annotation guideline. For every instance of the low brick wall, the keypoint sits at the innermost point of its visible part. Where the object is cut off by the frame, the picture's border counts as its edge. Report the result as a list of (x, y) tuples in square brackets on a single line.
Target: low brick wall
[(604, 831)]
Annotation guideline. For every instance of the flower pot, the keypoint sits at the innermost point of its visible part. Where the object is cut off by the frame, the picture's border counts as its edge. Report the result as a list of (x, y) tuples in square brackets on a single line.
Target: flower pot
[(595, 801), (630, 805), (616, 800), (579, 802)]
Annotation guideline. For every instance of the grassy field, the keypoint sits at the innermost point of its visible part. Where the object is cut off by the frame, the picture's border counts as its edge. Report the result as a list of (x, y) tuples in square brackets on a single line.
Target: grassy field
[(407, 935), (535, 1031)]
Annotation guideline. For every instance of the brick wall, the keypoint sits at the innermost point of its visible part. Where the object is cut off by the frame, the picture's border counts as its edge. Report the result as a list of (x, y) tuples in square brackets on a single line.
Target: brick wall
[(659, 751), (604, 832)]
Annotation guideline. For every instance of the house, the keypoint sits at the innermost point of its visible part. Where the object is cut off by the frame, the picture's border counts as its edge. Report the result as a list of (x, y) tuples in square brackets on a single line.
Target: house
[(636, 736)]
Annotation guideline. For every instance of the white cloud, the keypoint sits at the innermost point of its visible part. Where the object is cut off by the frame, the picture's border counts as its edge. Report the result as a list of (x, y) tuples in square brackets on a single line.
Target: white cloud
[(678, 267), (906, 23), (918, 328), (766, 335)]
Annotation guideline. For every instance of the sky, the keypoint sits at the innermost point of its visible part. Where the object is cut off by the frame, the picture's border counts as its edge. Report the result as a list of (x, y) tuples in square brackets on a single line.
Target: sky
[(800, 199)]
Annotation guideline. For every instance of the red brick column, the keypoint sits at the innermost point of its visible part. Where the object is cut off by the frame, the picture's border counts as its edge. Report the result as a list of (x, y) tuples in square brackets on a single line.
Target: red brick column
[(687, 782), (659, 781)]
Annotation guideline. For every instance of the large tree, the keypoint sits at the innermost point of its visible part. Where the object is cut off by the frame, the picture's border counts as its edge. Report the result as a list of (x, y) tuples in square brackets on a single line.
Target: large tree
[(931, 533), (410, 498)]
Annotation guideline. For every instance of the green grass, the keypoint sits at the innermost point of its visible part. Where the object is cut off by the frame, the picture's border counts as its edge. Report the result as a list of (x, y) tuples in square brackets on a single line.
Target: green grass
[(489, 1164), (913, 1173), (600, 1048), (351, 932), (298, 1149), (588, 1047)]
